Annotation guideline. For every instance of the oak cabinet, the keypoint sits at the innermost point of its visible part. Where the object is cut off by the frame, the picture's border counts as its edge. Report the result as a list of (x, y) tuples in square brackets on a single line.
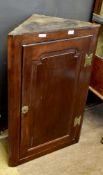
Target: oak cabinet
[(49, 68)]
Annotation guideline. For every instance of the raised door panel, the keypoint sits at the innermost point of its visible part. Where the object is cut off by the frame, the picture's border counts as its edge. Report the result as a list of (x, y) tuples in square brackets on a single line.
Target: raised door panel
[(50, 80)]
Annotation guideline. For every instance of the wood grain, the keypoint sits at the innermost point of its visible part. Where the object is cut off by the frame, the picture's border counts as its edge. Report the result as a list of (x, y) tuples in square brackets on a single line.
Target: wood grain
[(38, 76)]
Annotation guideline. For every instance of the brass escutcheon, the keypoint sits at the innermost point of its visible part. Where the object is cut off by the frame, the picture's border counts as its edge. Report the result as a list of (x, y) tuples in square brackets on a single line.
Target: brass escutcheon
[(24, 109)]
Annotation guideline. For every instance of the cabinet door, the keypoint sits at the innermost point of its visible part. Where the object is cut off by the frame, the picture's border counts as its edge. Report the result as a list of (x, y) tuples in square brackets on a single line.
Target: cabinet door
[(50, 77)]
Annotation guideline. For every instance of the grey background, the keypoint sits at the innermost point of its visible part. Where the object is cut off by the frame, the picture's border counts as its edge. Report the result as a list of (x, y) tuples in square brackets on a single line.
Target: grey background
[(13, 12)]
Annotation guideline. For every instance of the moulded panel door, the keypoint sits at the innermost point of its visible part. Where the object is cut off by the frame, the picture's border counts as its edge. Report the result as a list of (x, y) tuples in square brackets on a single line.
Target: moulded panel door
[(50, 76)]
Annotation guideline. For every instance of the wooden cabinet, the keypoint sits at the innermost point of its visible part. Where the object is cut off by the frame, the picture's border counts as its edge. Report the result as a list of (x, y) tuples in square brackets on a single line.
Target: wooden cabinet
[(49, 67), (96, 83)]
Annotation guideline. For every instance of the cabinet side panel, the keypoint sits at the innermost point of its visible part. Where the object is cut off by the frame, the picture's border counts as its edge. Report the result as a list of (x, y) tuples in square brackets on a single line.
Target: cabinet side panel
[(14, 69)]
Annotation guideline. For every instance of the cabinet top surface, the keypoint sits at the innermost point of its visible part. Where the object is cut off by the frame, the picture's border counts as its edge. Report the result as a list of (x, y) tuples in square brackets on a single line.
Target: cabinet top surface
[(41, 23)]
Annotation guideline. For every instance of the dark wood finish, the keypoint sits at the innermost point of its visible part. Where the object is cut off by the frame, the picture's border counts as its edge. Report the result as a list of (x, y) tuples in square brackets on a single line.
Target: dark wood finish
[(53, 72), (96, 83), (48, 75), (97, 6)]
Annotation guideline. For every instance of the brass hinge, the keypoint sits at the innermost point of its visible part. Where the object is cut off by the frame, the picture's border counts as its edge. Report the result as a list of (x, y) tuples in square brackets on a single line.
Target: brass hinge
[(88, 59), (24, 109), (77, 121)]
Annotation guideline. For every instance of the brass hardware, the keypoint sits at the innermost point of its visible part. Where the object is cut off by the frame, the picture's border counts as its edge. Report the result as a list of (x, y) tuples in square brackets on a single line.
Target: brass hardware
[(77, 121), (88, 59), (24, 109)]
